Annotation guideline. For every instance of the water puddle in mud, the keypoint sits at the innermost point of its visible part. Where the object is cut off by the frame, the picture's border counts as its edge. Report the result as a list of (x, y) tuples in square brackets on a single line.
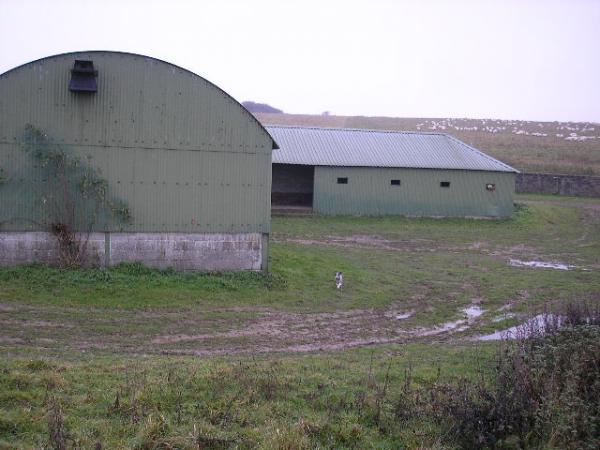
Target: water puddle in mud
[(504, 317), (470, 312), (540, 264), (405, 315), (473, 311), (532, 326)]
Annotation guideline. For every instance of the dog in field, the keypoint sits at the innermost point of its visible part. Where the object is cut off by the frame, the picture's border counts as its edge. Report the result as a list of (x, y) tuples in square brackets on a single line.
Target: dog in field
[(339, 280)]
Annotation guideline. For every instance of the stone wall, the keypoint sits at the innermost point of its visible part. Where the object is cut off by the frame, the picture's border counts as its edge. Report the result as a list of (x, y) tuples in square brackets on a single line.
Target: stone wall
[(182, 251), (547, 183)]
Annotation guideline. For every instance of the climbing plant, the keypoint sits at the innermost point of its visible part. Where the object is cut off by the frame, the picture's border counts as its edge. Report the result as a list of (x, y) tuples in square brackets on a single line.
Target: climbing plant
[(73, 197)]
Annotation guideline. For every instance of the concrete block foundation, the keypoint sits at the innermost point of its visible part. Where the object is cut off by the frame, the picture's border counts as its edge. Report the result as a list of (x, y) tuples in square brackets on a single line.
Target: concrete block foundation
[(182, 251)]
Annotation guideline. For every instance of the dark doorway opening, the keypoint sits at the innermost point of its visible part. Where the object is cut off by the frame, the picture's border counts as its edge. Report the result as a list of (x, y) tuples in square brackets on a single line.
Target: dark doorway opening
[(293, 185)]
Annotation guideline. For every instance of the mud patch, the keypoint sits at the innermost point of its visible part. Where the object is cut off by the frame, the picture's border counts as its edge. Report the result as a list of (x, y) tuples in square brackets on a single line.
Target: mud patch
[(35, 323), (370, 242), (6, 308), (11, 340), (280, 331), (255, 330), (417, 245)]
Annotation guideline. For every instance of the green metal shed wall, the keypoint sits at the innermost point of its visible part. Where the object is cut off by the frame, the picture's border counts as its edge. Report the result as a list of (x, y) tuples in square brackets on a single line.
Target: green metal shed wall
[(181, 153), (369, 192)]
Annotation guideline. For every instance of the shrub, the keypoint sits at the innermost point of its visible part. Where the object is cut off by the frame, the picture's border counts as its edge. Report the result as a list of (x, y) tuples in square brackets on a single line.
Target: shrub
[(545, 390)]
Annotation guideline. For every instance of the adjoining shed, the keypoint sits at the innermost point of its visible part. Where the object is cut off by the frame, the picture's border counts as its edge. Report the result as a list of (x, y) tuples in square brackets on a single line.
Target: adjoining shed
[(372, 172), (189, 166)]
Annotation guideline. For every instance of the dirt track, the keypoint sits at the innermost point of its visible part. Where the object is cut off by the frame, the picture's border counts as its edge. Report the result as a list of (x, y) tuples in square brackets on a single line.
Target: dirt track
[(192, 333)]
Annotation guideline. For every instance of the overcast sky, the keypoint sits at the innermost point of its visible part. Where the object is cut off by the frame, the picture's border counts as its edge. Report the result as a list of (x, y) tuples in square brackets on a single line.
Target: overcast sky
[(509, 59)]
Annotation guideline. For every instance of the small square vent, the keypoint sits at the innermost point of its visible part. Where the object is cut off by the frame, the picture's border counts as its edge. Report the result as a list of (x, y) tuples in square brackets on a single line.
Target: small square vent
[(83, 77)]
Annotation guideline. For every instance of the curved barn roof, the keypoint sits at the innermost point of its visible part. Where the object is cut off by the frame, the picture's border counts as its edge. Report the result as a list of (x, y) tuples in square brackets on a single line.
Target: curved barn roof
[(99, 54), (376, 148)]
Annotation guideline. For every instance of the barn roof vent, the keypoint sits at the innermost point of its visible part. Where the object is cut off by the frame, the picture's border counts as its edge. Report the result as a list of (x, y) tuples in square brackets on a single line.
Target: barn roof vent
[(83, 77)]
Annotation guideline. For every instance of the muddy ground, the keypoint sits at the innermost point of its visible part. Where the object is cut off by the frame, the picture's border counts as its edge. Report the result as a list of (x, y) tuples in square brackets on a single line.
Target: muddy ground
[(226, 331), (49, 329)]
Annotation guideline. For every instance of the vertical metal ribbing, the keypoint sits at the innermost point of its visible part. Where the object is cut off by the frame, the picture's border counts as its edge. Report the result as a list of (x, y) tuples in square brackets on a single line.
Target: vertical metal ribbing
[(171, 145)]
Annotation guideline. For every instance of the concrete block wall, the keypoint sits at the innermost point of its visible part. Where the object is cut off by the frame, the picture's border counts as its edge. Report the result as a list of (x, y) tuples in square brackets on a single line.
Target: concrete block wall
[(41, 247), (547, 183), (182, 251)]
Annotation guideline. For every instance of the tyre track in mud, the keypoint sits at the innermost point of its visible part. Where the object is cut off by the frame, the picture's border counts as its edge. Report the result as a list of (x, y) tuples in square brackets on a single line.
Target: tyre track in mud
[(192, 333)]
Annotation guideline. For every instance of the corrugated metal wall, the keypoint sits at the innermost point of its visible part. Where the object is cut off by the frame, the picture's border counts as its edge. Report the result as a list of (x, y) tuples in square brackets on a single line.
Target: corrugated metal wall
[(181, 153), (369, 192)]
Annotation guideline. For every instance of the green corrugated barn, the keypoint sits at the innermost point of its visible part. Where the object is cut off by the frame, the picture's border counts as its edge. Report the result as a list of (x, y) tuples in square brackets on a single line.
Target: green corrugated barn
[(190, 164), (373, 172)]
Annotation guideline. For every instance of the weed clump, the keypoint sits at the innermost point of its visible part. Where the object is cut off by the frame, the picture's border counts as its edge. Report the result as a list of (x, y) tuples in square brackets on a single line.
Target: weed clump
[(57, 432), (154, 433), (544, 392), (36, 365)]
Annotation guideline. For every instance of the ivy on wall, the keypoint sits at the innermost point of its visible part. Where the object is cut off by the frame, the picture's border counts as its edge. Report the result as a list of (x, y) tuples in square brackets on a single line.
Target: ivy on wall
[(74, 196)]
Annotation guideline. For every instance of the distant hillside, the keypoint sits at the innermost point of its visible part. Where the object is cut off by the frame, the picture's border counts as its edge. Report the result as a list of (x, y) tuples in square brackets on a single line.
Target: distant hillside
[(552, 147), (254, 107)]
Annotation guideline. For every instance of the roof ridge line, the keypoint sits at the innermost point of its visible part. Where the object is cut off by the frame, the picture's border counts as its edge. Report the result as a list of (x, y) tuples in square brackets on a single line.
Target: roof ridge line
[(370, 130)]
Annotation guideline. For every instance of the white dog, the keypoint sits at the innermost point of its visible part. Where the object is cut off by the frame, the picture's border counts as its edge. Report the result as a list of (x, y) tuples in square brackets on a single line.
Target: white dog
[(339, 280)]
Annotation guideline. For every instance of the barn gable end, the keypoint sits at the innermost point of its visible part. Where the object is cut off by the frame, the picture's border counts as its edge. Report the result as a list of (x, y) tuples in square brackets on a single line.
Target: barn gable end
[(191, 164)]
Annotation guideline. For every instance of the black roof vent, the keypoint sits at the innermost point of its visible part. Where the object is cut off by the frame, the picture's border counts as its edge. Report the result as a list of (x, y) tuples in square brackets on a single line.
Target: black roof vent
[(83, 77)]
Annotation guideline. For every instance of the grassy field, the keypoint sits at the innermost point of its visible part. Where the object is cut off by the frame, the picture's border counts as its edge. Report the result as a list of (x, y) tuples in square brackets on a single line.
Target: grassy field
[(552, 147), (260, 402), (136, 358)]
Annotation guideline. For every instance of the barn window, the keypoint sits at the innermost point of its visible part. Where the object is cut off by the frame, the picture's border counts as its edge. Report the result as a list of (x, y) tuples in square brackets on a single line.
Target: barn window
[(490, 186), (83, 77), (342, 180), (445, 184), (395, 182)]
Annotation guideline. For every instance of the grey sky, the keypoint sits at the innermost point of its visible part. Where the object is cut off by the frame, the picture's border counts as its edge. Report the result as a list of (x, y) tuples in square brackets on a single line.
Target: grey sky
[(511, 59)]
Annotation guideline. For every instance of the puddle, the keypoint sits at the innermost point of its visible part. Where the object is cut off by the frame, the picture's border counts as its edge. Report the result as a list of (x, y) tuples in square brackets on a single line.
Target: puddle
[(457, 325), (473, 311), (534, 325), (405, 315), (504, 317), (540, 264)]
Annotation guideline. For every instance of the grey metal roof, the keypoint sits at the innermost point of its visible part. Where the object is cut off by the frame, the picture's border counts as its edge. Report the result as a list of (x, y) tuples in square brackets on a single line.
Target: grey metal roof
[(376, 148)]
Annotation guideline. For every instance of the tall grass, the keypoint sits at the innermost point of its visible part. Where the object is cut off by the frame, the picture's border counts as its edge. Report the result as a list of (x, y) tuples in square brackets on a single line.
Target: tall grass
[(543, 393)]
